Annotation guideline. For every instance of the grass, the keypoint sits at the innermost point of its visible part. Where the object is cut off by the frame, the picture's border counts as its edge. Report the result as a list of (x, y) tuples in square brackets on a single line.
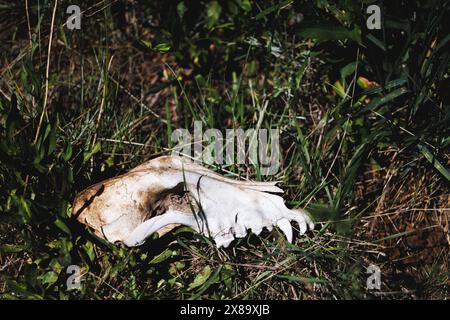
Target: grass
[(364, 117)]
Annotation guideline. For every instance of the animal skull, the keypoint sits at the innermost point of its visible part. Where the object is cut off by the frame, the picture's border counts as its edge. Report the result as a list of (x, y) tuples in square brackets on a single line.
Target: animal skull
[(168, 191)]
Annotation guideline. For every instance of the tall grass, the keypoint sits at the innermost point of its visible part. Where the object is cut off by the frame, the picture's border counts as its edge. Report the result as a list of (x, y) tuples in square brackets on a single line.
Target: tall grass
[(364, 117)]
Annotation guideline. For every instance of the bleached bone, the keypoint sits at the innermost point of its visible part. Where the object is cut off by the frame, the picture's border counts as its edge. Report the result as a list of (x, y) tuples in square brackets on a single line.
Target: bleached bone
[(166, 192)]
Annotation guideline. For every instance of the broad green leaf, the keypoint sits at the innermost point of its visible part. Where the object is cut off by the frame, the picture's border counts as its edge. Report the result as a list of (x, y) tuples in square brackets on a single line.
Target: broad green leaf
[(62, 226), (163, 47), (89, 249), (246, 5), (49, 278), (166, 254), (181, 9), (88, 155), (67, 154), (200, 278), (349, 69), (11, 248), (51, 141), (214, 9), (212, 279)]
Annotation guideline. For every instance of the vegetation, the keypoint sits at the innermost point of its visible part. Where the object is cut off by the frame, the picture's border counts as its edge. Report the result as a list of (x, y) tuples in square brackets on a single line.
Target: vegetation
[(365, 122)]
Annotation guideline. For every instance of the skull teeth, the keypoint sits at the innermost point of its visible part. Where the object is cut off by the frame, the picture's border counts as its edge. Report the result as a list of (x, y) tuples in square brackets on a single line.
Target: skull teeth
[(303, 220), (285, 226)]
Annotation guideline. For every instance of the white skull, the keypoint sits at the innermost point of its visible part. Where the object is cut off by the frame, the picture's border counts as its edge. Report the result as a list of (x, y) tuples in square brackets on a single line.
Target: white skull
[(166, 192)]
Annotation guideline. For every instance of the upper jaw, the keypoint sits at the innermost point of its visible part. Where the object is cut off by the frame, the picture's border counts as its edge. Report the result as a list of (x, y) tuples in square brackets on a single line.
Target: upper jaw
[(148, 199)]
